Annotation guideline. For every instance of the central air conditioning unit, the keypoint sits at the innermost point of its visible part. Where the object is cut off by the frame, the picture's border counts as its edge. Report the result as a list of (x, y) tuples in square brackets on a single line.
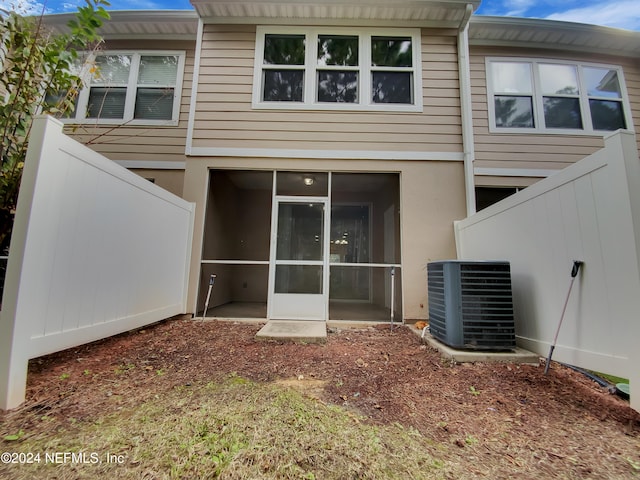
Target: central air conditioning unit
[(471, 305)]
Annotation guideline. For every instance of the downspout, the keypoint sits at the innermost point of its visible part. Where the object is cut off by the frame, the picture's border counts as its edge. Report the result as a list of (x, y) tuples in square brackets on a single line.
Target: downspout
[(466, 110), (199, 217), (194, 88)]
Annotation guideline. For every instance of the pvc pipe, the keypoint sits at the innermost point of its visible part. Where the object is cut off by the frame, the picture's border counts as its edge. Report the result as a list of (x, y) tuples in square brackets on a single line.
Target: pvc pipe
[(393, 293), (212, 280), (466, 109)]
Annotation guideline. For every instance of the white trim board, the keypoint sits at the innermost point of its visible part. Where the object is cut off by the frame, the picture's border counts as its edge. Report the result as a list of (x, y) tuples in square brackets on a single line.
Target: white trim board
[(325, 154), (514, 172), (195, 79), (151, 164)]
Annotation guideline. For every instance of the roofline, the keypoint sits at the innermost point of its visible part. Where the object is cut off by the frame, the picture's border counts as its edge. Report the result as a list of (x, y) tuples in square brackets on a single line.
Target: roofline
[(575, 36), (424, 13), (131, 15), (622, 42), (491, 20), (59, 21)]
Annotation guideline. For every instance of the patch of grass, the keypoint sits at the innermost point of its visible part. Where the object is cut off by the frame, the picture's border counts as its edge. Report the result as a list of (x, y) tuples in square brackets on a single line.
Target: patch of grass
[(120, 369), (611, 378), (13, 437), (238, 429)]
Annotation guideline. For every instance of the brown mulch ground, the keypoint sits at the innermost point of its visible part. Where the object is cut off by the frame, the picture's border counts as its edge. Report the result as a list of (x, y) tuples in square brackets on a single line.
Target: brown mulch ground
[(502, 420)]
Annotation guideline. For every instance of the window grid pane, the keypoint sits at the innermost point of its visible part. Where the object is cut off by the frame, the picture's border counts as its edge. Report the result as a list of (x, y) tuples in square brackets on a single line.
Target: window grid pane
[(112, 70), (158, 70), (340, 50), (391, 52), (558, 79), (337, 86), (514, 112), (305, 279), (511, 77), (607, 114), (284, 50), (392, 87), (602, 82), (106, 102), (154, 104), (283, 85), (562, 112)]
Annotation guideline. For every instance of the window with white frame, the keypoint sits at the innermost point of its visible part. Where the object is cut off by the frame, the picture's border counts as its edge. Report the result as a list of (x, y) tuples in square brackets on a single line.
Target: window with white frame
[(337, 69), (549, 96), (137, 88)]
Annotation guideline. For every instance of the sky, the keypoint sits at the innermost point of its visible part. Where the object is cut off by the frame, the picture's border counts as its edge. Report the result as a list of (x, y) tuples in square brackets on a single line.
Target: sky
[(612, 13)]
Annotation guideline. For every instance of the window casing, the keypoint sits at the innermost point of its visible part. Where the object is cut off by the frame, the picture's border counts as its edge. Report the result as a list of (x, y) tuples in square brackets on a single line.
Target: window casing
[(549, 96), (337, 69), (132, 87)]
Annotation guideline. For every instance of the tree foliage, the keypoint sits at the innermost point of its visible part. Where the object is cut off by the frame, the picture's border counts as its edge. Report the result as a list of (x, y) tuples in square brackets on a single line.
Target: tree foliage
[(37, 76)]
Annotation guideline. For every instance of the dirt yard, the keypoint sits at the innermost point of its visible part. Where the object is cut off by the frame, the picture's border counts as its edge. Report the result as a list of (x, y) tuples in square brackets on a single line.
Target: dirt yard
[(498, 420)]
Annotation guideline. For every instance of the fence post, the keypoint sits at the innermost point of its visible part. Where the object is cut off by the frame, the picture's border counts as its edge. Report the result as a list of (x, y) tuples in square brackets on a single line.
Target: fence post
[(14, 336)]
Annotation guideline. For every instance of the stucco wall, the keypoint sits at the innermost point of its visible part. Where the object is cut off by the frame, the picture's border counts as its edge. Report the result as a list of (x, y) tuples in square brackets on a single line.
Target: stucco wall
[(432, 197)]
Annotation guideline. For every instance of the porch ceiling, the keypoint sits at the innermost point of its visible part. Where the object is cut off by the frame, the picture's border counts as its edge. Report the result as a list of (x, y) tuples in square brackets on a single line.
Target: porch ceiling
[(537, 33), (444, 14)]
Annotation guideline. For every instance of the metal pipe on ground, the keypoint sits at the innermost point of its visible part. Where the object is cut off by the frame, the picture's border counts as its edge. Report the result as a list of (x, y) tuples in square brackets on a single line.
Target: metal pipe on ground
[(212, 280), (574, 273)]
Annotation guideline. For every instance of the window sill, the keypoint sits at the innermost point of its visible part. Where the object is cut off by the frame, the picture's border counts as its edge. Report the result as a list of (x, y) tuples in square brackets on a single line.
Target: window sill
[(337, 107), (120, 123), (553, 131)]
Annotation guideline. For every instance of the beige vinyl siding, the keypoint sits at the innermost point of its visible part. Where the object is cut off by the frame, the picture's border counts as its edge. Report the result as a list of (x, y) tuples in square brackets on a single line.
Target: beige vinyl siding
[(224, 117), (153, 143), (632, 79), (537, 151)]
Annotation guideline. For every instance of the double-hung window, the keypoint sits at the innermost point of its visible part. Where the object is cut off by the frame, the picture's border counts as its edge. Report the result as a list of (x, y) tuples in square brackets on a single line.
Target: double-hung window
[(137, 88), (545, 96), (316, 68)]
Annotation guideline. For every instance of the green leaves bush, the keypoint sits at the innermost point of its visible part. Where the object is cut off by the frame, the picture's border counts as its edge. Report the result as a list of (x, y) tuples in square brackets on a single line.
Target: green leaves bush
[(37, 76)]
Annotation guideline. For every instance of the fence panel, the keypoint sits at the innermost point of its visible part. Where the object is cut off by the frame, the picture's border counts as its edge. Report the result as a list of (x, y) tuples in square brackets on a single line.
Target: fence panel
[(96, 250), (589, 211)]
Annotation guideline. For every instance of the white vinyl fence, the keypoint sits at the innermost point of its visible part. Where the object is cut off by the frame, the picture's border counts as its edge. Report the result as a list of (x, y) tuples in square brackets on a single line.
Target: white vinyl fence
[(96, 250), (589, 211)]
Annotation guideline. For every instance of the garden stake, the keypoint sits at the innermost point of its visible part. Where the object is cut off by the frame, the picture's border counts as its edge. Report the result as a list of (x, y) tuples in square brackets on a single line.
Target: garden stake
[(393, 274), (212, 279), (574, 273)]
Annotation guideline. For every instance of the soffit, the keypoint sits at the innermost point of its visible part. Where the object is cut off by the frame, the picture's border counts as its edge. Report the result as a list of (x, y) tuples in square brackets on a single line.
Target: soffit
[(157, 24), (445, 14), (550, 34)]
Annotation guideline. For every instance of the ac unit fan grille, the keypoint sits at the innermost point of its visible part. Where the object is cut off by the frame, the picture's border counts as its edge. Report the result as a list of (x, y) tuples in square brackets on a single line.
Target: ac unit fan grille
[(470, 304), (437, 310)]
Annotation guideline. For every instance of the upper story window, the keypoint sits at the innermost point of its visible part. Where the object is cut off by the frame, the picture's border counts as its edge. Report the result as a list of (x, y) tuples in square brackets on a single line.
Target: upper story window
[(337, 69), (544, 96), (136, 88)]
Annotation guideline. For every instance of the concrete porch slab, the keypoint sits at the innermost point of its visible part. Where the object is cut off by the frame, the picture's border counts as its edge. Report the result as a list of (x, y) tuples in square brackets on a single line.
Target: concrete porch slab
[(300, 331), (519, 355)]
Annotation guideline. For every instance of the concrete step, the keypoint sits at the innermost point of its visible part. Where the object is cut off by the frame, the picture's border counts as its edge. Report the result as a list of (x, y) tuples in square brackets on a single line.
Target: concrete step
[(300, 331)]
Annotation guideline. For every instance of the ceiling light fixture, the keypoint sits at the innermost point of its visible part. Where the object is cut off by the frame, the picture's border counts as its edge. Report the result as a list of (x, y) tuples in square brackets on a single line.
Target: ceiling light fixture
[(308, 181)]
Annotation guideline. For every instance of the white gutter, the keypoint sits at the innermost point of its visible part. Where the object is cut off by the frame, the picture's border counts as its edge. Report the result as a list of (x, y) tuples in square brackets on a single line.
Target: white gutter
[(466, 111)]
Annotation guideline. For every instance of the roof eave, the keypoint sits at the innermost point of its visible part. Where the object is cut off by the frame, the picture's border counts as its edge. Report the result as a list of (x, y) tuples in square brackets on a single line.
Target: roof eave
[(139, 24), (442, 13), (552, 34)]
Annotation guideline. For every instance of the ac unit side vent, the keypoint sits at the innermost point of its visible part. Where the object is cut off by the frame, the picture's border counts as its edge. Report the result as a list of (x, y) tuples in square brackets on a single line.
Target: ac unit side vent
[(471, 304)]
